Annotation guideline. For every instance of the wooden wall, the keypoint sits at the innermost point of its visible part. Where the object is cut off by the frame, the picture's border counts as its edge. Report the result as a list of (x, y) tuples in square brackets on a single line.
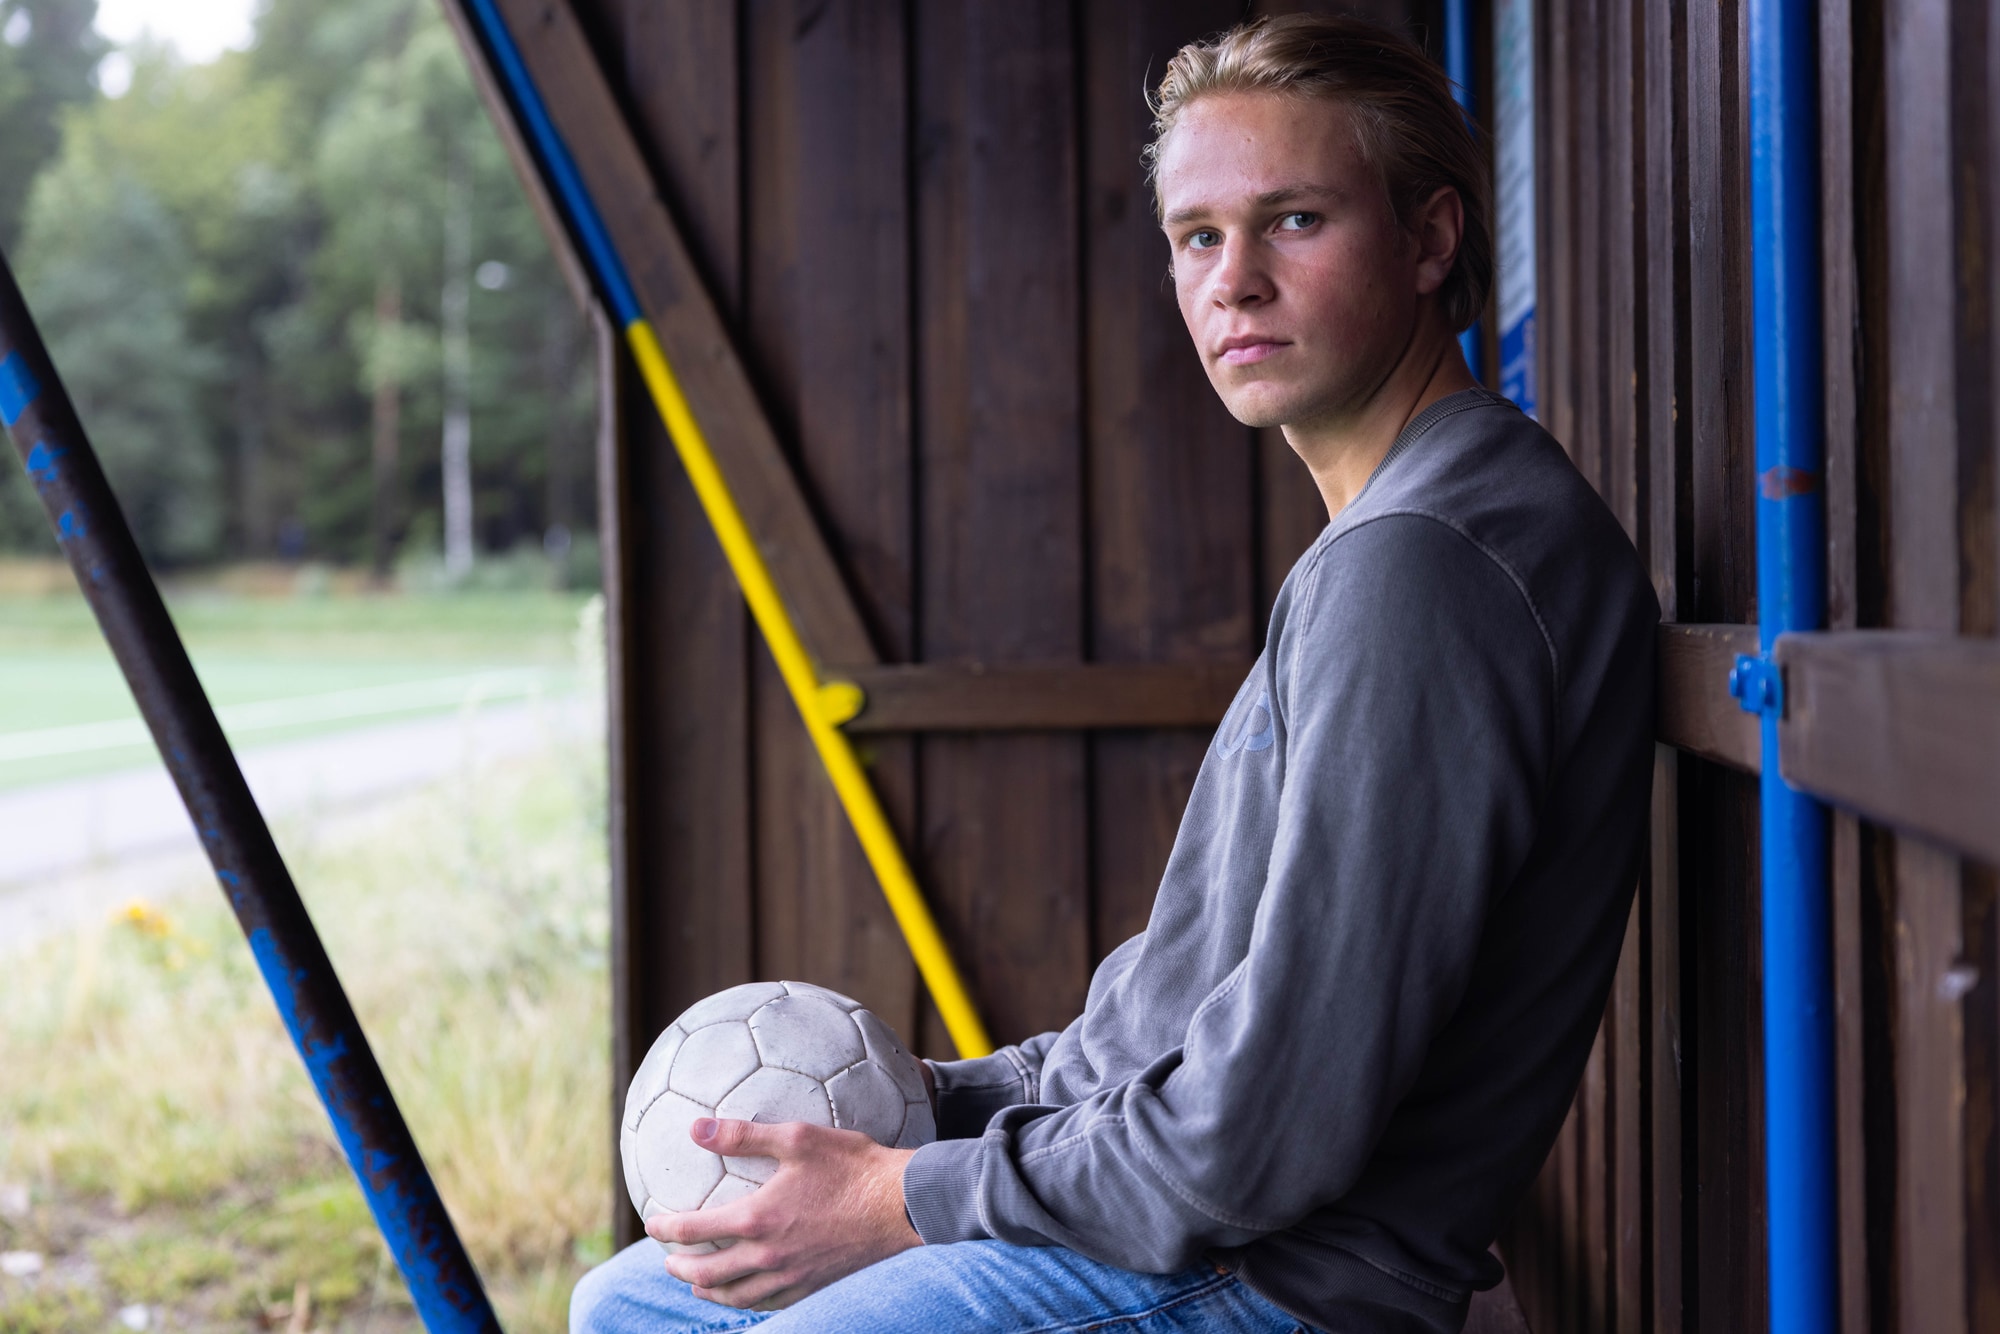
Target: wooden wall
[(925, 227), (1650, 1214)]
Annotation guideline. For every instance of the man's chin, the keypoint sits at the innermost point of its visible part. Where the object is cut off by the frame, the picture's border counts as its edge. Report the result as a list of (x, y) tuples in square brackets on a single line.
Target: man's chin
[(1264, 410)]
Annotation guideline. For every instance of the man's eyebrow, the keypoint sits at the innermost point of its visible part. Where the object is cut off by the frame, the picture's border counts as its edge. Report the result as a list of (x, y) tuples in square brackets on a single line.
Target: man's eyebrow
[(1284, 194)]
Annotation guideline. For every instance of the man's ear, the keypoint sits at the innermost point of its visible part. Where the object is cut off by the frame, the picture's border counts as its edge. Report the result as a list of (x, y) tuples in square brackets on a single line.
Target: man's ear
[(1437, 226)]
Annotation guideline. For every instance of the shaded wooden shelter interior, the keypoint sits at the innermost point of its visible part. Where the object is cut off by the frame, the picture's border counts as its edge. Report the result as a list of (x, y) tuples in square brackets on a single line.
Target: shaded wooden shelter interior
[(942, 365)]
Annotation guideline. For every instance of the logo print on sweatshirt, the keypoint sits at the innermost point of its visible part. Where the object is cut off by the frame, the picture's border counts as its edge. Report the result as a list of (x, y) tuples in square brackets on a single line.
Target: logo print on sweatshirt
[(1250, 729)]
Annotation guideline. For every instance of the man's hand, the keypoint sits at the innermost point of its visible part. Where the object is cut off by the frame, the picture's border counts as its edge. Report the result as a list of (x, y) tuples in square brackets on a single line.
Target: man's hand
[(834, 1205)]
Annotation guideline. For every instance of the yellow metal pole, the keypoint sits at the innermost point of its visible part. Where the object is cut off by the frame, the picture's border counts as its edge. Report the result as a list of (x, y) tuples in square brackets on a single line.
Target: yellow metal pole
[(823, 705)]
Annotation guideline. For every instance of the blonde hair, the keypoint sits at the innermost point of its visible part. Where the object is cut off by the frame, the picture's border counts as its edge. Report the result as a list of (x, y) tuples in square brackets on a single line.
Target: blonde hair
[(1411, 130)]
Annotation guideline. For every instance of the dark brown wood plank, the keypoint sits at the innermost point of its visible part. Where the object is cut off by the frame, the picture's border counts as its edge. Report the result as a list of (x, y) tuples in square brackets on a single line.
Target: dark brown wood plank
[(1624, 484), (1555, 158), (1589, 438), (1660, 238), (1850, 1070), (1980, 958), (1839, 297), (691, 330), (686, 112), (1722, 559), (1696, 712), (1841, 358), (1722, 1050), (1975, 149), (682, 847), (1724, 1247), (1930, 1072), (827, 292), (1901, 727), (1924, 594), (1625, 1130), (621, 739), (1978, 153), (1973, 111), (1000, 417), (1171, 473), (1871, 488), (948, 697), (1664, 1085)]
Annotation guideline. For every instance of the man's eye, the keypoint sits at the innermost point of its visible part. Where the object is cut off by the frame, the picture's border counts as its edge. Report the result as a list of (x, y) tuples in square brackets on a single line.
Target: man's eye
[(1297, 222), (1205, 239)]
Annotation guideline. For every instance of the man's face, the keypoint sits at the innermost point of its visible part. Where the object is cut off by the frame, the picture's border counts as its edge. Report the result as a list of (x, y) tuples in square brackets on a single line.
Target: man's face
[(1296, 280)]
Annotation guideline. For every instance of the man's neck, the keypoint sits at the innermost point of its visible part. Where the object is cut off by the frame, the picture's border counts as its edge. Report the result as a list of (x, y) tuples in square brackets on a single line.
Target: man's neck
[(1343, 453)]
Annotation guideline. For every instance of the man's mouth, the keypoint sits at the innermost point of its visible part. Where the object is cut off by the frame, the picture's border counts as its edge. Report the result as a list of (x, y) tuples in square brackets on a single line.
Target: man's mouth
[(1248, 351)]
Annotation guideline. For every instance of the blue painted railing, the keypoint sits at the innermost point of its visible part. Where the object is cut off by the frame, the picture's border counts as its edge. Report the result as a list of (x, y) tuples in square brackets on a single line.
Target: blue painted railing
[(1791, 596), (91, 529)]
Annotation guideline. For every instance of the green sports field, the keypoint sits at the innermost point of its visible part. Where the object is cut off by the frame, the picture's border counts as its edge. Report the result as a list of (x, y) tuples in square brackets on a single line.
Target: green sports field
[(277, 665)]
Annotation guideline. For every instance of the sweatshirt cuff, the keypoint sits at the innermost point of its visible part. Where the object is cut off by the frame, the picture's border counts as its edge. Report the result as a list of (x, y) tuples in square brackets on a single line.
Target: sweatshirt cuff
[(940, 1191), (970, 1093)]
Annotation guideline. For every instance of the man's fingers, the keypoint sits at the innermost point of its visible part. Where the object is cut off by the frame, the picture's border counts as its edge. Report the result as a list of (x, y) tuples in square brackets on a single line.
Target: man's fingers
[(720, 1268), (758, 1292), (726, 1222)]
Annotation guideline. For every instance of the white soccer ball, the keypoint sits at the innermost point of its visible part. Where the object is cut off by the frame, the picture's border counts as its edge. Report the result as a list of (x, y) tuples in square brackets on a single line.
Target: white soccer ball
[(768, 1052)]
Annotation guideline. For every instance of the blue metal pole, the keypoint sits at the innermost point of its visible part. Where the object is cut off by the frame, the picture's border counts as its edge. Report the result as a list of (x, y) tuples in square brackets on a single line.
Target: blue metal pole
[(91, 529), (1791, 595), (1458, 67)]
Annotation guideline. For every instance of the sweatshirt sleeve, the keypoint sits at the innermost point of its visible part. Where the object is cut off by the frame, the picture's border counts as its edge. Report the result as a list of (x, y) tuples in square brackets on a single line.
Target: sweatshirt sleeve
[(971, 1092), (1416, 704)]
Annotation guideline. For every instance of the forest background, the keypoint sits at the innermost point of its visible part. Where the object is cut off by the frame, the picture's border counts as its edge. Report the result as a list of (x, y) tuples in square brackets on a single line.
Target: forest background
[(297, 294)]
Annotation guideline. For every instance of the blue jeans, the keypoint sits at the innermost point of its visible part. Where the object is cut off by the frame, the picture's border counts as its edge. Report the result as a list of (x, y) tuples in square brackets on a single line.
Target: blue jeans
[(966, 1286)]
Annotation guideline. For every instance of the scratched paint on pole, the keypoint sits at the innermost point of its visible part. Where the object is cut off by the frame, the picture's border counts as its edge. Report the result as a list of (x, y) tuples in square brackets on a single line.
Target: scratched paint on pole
[(18, 389), (1514, 214)]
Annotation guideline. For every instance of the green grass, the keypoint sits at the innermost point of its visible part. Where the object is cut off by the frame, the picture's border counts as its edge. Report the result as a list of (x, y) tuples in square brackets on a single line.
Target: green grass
[(56, 670), (176, 1154)]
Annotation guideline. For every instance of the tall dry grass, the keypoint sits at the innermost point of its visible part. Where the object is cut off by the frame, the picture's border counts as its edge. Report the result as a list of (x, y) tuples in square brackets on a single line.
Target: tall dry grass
[(144, 1072)]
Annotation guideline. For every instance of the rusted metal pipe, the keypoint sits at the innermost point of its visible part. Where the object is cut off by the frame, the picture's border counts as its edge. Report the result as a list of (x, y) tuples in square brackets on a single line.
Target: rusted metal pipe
[(93, 534)]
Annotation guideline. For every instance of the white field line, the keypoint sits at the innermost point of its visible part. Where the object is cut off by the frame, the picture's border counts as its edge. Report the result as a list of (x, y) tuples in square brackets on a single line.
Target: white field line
[(272, 714)]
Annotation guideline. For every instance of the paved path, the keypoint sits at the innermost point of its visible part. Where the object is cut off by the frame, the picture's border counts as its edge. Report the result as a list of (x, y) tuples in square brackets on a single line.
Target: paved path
[(81, 847)]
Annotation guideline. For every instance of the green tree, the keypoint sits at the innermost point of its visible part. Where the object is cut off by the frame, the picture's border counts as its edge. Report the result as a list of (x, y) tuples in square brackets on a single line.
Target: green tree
[(257, 252), (49, 50), (94, 245), (219, 149), (390, 140)]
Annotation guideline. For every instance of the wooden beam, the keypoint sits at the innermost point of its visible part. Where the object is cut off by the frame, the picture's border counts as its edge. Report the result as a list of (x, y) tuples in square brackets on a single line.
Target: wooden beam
[(975, 697), (675, 300), (1696, 711), (1901, 727)]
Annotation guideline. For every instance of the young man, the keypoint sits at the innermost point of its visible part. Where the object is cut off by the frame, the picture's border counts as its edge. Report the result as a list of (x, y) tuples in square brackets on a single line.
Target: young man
[(1317, 1085)]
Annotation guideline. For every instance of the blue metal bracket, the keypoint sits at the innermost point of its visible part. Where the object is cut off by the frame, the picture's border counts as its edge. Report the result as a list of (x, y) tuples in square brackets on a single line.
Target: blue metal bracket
[(1758, 684)]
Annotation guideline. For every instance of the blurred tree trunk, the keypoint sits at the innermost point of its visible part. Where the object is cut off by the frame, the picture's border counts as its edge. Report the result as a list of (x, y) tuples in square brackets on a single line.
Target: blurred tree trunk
[(455, 306), (558, 355), (388, 428), (254, 527)]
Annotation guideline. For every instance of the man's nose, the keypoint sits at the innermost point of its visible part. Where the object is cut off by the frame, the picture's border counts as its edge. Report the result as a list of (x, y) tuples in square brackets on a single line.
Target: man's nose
[(1241, 279)]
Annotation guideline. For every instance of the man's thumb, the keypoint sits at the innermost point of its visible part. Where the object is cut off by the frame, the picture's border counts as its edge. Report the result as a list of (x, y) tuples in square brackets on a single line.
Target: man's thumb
[(735, 1139)]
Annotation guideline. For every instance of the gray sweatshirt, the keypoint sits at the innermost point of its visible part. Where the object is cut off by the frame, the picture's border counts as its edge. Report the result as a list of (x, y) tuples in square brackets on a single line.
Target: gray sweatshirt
[(1341, 1049)]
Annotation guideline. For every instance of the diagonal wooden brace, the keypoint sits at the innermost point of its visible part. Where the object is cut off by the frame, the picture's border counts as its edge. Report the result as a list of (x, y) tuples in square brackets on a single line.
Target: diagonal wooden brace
[(677, 304)]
